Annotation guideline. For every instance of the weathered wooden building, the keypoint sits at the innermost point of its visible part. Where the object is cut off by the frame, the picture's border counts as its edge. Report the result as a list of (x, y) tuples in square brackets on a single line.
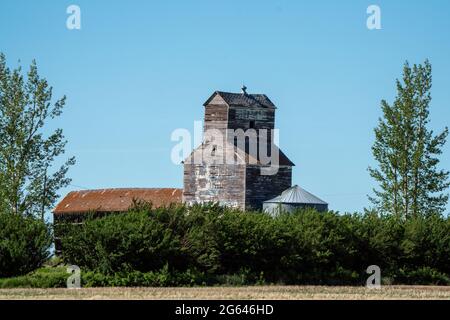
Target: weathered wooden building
[(233, 172), (238, 165)]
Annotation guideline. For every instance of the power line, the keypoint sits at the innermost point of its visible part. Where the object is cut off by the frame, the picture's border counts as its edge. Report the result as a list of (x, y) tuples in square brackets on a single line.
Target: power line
[(80, 187), (344, 195)]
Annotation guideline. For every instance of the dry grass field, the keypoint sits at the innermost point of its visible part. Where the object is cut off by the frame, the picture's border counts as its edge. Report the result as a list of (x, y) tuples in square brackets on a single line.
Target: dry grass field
[(255, 292)]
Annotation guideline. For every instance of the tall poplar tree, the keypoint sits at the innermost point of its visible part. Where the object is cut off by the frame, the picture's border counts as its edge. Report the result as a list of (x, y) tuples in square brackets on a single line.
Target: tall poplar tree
[(28, 148), (408, 174)]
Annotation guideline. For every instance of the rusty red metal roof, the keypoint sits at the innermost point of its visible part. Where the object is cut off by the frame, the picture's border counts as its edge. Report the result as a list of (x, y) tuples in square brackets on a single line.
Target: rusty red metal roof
[(115, 200)]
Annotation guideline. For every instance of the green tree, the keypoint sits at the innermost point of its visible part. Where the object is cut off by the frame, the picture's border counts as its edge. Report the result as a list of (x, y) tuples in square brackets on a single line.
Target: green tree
[(410, 182), (27, 183), (24, 244)]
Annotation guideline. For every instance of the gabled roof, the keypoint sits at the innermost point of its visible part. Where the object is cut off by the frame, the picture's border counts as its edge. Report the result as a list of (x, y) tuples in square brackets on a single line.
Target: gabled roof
[(115, 200), (298, 195), (229, 153), (243, 99)]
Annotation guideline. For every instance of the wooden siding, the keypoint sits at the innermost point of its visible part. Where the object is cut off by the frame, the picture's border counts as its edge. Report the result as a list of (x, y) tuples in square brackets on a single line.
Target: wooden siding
[(259, 188), (216, 117), (240, 117), (214, 183)]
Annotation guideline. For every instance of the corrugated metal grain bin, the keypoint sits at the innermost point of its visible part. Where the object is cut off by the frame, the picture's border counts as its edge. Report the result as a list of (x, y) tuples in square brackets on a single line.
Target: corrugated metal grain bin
[(292, 199)]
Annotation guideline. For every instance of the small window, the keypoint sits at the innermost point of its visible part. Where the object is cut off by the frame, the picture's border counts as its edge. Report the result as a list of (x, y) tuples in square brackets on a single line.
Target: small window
[(213, 152), (252, 125)]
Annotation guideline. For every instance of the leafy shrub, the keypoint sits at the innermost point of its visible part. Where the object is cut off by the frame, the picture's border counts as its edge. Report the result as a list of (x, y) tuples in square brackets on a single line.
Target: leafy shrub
[(24, 244), (159, 278), (210, 244), (46, 277), (422, 276), (426, 243), (141, 241)]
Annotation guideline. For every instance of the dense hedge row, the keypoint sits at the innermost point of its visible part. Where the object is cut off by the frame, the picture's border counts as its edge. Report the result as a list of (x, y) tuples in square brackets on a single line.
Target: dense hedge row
[(45, 277), (24, 244), (209, 244)]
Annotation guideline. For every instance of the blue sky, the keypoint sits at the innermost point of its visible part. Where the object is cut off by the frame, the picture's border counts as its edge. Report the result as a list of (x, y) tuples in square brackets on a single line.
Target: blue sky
[(137, 70)]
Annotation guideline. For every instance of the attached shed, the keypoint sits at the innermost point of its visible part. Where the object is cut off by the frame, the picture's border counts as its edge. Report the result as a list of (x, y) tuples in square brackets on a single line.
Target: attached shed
[(78, 204), (292, 199), (106, 201)]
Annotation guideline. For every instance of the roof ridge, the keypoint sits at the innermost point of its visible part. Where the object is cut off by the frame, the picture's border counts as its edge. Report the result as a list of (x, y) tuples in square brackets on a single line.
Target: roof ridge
[(121, 189), (243, 99), (230, 147), (240, 93), (115, 199)]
